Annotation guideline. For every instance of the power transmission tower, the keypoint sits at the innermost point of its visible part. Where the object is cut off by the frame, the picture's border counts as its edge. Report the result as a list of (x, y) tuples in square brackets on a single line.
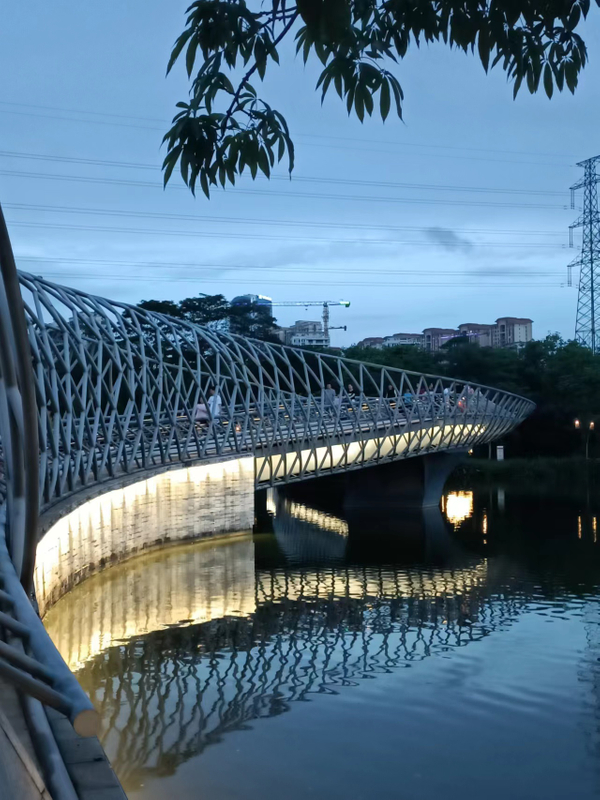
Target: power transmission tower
[(587, 326)]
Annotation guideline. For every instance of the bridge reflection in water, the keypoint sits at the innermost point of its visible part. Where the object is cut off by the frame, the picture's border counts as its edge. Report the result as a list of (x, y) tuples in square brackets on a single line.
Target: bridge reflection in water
[(178, 648)]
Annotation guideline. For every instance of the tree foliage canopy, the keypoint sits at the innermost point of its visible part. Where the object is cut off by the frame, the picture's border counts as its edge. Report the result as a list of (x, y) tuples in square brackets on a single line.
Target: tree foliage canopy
[(214, 310), (563, 378), (225, 128)]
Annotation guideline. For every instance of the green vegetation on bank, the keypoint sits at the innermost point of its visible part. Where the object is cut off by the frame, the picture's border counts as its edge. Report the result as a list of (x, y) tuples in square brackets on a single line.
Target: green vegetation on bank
[(562, 378)]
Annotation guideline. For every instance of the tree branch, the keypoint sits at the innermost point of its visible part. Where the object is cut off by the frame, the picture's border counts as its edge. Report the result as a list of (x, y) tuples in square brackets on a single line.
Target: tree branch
[(252, 70)]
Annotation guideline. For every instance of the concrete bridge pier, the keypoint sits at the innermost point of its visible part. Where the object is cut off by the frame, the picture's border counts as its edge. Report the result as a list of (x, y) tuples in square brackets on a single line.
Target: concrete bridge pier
[(409, 484)]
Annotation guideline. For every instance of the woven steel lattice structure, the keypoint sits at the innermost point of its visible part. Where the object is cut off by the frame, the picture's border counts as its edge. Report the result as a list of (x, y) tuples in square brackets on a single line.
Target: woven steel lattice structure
[(118, 388)]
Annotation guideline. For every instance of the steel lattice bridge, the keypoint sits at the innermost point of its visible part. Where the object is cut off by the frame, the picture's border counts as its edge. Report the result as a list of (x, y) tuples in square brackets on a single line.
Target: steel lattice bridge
[(117, 387), (92, 390)]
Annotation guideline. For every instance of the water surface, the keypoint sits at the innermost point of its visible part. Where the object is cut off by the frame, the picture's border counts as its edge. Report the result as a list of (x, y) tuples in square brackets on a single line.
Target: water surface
[(349, 654)]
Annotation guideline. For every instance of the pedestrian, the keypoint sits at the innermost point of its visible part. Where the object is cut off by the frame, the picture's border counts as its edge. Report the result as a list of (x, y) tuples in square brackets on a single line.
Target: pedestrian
[(201, 413), (351, 396), (329, 396), (390, 392), (214, 404)]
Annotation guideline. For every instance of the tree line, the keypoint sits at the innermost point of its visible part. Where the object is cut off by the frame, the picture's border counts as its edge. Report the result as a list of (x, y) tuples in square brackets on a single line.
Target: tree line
[(561, 377)]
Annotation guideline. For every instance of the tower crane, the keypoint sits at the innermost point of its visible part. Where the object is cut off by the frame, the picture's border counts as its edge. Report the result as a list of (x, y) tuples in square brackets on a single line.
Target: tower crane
[(324, 303)]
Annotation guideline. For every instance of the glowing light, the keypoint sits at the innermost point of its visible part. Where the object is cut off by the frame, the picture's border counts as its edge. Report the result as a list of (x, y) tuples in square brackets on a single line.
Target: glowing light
[(579, 527), (577, 423), (459, 506), (271, 502), (326, 522), (126, 520)]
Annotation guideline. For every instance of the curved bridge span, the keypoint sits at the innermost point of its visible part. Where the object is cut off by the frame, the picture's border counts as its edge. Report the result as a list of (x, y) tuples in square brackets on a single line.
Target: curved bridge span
[(117, 388)]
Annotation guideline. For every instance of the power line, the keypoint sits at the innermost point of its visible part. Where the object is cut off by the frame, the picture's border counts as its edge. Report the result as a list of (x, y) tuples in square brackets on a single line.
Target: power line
[(360, 141), (171, 279), (295, 179), (285, 238), (311, 195), (169, 265), (263, 221)]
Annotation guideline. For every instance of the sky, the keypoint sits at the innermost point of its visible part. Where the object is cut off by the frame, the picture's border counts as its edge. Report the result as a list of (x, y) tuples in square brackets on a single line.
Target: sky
[(459, 213)]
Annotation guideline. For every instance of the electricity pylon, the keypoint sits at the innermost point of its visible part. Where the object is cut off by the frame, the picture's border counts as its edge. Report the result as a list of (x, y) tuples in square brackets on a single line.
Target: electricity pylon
[(588, 321)]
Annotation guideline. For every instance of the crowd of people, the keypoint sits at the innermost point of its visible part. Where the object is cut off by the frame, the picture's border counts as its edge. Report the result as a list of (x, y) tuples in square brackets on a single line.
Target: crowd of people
[(337, 401)]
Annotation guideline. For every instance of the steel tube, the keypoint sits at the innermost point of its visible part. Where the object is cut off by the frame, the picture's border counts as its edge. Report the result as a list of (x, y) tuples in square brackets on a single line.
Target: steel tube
[(76, 705)]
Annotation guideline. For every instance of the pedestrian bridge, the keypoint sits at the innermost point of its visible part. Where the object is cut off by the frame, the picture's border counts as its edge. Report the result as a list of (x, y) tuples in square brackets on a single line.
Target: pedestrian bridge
[(117, 386), (98, 397)]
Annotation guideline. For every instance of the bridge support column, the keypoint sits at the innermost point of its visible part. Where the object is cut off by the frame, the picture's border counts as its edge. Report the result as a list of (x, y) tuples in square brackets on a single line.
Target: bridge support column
[(414, 483)]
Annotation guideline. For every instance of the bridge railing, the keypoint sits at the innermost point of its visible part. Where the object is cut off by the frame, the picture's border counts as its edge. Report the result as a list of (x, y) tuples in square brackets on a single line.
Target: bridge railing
[(119, 390)]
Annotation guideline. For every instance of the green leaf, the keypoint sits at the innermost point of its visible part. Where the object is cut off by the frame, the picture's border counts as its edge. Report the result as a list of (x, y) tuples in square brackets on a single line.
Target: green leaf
[(548, 82), (204, 183), (263, 162), (384, 99), (190, 56), (178, 47)]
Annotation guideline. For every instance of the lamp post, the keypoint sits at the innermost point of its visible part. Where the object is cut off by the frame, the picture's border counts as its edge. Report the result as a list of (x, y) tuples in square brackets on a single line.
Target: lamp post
[(590, 430)]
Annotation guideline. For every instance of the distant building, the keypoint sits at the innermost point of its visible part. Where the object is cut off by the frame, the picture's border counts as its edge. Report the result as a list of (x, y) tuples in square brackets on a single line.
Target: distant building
[(253, 299), (403, 340), (371, 341), (477, 333), (434, 338), (512, 331), (505, 332), (305, 333)]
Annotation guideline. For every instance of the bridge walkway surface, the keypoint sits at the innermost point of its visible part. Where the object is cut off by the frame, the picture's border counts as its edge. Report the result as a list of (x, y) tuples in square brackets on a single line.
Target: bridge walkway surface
[(95, 393)]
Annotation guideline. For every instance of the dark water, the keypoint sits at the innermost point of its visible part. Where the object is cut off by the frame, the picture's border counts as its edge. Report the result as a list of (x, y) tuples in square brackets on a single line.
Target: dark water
[(343, 653)]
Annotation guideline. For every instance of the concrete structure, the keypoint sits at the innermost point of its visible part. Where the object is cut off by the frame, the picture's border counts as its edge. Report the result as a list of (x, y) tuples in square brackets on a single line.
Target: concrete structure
[(403, 340), (371, 341), (305, 333), (166, 508), (512, 332), (395, 340), (434, 338), (476, 333), (505, 332)]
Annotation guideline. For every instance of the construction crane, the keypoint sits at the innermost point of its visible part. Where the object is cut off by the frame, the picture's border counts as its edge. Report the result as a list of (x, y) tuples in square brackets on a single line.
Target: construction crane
[(324, 303)]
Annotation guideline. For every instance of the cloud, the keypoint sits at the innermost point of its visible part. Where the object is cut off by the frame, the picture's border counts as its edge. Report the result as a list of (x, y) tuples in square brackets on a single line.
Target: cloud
[(448, 239)]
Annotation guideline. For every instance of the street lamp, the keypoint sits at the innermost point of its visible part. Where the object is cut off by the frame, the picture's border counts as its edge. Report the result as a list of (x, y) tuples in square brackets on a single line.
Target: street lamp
[(590, 430)]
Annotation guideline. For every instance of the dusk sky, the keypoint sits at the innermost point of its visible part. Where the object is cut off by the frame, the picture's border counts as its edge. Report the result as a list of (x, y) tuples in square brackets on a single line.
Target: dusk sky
[(458, 214)]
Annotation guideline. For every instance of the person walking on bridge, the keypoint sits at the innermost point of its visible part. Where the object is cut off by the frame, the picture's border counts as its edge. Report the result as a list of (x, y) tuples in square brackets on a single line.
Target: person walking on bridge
[(214, 404), (329, 398)]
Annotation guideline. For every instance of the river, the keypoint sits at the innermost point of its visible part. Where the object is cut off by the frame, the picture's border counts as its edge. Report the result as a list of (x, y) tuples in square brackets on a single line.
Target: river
[(352, 655)]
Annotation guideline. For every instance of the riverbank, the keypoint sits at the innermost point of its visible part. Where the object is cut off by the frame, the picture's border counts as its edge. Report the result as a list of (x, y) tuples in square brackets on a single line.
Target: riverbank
[(530, 474)]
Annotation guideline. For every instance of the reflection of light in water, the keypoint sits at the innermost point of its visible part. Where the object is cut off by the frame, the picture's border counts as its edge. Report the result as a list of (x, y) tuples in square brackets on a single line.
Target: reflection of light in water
[(459, 506), (501, 499), (579, 527), (184, 585), (484, 525), (272, 502), (327, 522), (594, 528)]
